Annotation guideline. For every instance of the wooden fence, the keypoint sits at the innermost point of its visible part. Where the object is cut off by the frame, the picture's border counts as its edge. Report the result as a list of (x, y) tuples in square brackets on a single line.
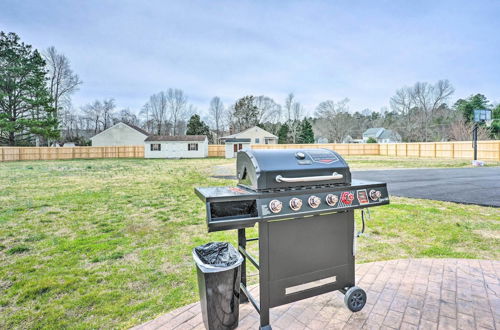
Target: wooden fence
[(487, 150), (51, 153)]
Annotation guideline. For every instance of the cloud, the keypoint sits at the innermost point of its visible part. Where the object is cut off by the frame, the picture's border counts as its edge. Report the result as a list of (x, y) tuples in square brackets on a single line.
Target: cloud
[(319, 50)]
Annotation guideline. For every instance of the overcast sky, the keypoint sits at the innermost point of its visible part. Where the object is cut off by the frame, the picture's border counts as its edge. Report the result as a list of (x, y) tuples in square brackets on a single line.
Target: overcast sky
[(320, 50)]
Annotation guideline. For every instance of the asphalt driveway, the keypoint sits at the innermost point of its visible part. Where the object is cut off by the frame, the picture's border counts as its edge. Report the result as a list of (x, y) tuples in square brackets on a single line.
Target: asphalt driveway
[(480, 185)]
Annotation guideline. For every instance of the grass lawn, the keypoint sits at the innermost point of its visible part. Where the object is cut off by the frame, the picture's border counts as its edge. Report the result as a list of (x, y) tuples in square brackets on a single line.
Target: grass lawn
[(107, 243)]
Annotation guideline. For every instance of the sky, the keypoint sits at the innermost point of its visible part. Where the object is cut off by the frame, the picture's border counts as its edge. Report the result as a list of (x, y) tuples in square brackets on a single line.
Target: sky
[(319, 50)]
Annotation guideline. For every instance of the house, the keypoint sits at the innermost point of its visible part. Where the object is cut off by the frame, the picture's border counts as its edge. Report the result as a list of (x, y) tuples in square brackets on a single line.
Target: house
[(243, 139), (120, 134), (256, 135), (180, 146), (235, 145), (382, 135)]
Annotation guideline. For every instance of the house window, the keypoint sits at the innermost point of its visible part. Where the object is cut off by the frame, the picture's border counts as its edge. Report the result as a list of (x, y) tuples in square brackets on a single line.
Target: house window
[(155, 147), (257, 140), (193, 147)]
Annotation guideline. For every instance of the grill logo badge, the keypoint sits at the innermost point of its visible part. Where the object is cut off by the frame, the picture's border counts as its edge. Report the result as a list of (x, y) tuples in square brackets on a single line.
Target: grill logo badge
[(323, 156)]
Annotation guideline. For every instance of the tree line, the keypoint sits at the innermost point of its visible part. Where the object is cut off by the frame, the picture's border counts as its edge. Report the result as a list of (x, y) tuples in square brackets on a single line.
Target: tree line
[(36, 109)]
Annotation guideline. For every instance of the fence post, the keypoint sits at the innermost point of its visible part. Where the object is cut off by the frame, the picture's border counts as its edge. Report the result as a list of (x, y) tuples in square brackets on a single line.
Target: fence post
[(452, 150), (1, 149), (435, 150), (498, 150)]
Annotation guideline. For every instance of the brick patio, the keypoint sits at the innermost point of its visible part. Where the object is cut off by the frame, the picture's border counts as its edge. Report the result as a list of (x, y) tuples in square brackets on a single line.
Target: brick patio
[(402, 294)]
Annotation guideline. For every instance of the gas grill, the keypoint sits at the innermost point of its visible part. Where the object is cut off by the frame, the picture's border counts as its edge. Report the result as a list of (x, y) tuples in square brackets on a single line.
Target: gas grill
[(303, 201)]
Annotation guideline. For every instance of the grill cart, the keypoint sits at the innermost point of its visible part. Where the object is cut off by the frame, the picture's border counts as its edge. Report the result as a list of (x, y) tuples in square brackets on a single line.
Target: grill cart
[(303, 201)]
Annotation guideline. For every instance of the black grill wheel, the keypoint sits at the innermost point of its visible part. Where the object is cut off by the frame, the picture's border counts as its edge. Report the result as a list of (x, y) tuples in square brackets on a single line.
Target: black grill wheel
[(355, 299)]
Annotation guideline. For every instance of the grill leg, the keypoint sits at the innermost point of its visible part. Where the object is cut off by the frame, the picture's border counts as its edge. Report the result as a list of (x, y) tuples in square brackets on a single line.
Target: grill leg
[(243, 243), (264, 275)]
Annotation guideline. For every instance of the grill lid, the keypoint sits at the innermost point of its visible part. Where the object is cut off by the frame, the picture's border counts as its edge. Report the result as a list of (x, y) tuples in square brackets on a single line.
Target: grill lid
[(291, 168)]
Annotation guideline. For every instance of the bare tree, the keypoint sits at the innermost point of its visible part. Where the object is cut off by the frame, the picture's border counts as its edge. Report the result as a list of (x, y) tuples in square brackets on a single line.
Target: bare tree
[(93, 113), (156, 110), (100, 114), (108, 108), (176, 103), (460, 130), (403, 103), (334, 122), (269, 111), (289, 100), (128, 117), (62, 80), (293, 115), (216, 113), (422, 109)]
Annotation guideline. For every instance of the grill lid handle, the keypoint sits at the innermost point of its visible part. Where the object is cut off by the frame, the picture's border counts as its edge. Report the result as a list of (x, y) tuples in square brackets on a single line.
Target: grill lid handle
[(334, 176)]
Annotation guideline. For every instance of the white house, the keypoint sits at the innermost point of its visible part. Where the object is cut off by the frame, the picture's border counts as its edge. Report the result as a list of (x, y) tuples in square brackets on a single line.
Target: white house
[(235, 145), (120, 134), (256, 135), (382, 135), (181, 146), (243, 139)]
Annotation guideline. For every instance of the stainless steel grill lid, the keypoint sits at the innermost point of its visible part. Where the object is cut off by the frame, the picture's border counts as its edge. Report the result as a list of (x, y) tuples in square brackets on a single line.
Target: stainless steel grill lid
[(291, 168)]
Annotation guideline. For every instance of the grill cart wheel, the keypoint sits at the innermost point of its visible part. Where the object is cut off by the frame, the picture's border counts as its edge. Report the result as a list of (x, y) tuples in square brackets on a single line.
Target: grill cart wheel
[(355, 299)]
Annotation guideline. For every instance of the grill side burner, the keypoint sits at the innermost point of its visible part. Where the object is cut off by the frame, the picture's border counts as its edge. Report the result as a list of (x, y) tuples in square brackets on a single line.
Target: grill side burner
[(303, 202)]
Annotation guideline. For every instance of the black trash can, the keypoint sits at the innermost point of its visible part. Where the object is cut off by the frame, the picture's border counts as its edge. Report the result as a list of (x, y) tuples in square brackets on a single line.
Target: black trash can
[(219, 276)]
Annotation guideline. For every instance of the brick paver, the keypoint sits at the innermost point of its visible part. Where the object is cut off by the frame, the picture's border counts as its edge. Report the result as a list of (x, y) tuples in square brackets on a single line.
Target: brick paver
[(405, 294)]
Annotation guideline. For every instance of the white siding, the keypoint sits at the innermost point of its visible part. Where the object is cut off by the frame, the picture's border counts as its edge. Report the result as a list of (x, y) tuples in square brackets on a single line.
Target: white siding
[(118, 135), (257, 136), (176, 149), (230, 148)]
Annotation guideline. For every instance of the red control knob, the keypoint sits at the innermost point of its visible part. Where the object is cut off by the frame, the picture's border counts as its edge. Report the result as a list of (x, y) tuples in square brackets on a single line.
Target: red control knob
[(347, 197)]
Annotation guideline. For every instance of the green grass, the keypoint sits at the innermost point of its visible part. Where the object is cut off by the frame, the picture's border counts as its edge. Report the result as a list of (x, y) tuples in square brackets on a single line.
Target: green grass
[(107, 243)]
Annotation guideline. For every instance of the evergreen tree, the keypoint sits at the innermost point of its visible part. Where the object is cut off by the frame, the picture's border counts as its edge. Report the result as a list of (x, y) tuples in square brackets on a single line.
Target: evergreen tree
[(467, 106), (246, 113), (196, 126), (283, 134), (306, 134), (495, 126), (25, 102)]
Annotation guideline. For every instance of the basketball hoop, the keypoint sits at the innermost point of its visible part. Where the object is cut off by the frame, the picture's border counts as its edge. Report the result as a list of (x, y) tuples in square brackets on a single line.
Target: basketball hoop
[(489, 122)]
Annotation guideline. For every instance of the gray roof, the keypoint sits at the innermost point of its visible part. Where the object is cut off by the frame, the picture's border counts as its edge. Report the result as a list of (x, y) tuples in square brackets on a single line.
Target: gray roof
[(187, 138), (138, 129), (239, 140), (373, 132), (381, 133)]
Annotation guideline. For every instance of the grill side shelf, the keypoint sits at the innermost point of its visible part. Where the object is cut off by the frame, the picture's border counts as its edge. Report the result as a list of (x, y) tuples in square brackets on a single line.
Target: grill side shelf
[(234, 207)]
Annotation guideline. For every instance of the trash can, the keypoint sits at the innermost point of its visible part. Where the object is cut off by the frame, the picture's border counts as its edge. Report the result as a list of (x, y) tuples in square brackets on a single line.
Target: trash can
[(219, 276)]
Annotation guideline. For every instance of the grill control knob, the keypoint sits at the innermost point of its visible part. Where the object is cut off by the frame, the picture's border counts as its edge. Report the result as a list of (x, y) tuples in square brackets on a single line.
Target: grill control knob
[(295, 204), (347, 197), (331, 199), (314, 201), (275, 206), (375, 194)]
